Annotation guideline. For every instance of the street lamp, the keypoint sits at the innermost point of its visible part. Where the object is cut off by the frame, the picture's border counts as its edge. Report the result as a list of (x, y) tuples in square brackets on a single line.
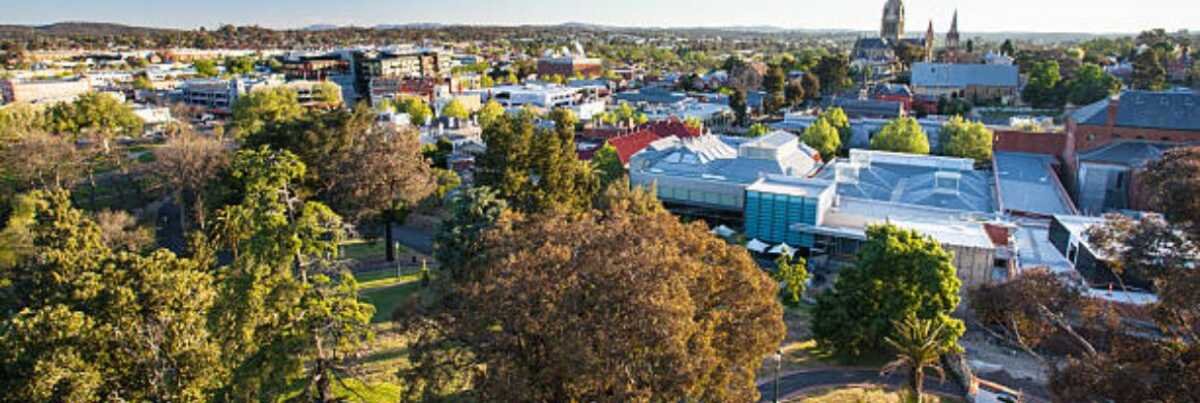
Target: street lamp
[(778, 367)]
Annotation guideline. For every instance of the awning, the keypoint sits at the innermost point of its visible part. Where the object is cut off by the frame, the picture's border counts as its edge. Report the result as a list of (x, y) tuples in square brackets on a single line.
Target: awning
[(783, 249), (757, 246), (723, 231)]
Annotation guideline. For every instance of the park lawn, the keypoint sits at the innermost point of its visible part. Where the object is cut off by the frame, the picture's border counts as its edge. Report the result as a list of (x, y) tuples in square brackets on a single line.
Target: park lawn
[(800, 350), (354, 390), (387, 293), (865, 394), (364, 250)]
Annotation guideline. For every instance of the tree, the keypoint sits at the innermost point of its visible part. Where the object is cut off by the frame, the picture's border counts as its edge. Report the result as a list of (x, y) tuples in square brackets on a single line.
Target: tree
[(794, 93), (1091, 84), (490, 112), (288, 313), (536, 172), (142, 83), (834, 73), (206, 68), (963, 139), (254, 111), (418, 111), (811, 84), (837, 118), (607, 165), (120, 231), (186, 164), (87, 323), (1041, 91), (898, 273), (741, 111), (1170, 182), (97, 116), (458, 239), (239, 66), (438, 153), (902, 135), (18, 119), (742, 76), (1008, 48), (909, 53), (823, 137), (455, 109), (554, 315), (327, 93), (1015, 307), (41, 161), (794, 276), (774, 84), (918, 346), (758, 130), (1149, 70)]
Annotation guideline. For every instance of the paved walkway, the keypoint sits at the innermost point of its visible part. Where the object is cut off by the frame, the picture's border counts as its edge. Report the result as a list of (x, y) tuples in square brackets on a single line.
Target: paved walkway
[(415, 239), (795, 383)]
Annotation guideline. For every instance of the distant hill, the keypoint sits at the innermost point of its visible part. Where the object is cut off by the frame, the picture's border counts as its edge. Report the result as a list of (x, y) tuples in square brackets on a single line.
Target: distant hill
[(78, 28)]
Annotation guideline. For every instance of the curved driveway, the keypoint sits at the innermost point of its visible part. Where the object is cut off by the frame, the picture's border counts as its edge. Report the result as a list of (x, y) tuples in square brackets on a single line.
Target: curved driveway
[(793, 383)]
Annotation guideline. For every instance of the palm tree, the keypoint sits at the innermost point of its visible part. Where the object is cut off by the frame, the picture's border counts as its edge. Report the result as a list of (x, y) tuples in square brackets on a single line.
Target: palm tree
[(918, 345)]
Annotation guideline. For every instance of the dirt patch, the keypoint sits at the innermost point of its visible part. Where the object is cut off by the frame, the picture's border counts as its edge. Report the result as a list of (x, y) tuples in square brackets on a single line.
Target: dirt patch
[(1008, 366)]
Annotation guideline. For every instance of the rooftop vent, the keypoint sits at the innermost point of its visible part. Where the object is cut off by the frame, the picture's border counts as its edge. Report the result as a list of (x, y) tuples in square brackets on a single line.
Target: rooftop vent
[(860, 159), (846, 173), (947, 182)]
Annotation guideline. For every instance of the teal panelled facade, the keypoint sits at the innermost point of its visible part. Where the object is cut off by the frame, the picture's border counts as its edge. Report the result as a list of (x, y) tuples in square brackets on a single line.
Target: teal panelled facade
[(769, 217)]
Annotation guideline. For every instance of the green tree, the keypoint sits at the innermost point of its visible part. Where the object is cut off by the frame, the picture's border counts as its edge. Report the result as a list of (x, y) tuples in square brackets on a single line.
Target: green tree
[(607, 164), (455, 109), (963, 139), (491, 112), (775, 83), (1008, 48), (272, 106), (206, 68), (811, 84), (741, 110), (458, 240), (794, 275), (418, 111), (535, 172), (823, 137), (239, 66), (794, 93), (327, 93), (918, 345), (1091, 84), (837, 118), (288, 314), (834, 73), (96, 116), (903, 135), (1149, 70), (758, 130), (142, 83), (1042, 89), (898, 273), (86, 323)]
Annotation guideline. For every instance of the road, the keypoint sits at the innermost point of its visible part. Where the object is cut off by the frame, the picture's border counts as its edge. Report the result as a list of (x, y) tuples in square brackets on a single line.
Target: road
[(414, 239), (794, 383)]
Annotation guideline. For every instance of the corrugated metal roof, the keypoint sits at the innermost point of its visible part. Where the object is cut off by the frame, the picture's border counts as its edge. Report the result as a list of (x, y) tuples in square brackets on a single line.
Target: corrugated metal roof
[(1170, 110), (964, 75)]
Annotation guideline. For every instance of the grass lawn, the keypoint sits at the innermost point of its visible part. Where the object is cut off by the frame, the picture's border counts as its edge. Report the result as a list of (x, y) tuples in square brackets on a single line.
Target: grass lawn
[(800, 351), (387, 293), (866, 394), (363, 251)]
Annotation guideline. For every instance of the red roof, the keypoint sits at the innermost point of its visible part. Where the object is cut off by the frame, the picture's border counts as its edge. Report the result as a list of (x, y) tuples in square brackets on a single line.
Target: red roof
[(673, 127), (998, 234), (630, 144)]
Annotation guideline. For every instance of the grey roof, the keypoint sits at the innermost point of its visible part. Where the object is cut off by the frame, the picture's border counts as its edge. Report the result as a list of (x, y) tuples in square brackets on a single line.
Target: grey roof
[(1134, 154), (872, 43), (913, 179), (867, 107), (1028, 184), (1152, 110), (717, 158), (964, 75), (651, 96)]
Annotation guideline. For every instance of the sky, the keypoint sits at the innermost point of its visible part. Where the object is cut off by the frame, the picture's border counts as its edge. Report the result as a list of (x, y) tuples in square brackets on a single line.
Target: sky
[(1097, 16)]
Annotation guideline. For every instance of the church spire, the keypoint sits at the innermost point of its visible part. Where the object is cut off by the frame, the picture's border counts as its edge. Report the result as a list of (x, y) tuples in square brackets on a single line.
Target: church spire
[(952, 37)]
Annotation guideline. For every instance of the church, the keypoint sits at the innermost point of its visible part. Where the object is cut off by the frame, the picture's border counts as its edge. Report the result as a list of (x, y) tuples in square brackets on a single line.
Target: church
[(891, 37)]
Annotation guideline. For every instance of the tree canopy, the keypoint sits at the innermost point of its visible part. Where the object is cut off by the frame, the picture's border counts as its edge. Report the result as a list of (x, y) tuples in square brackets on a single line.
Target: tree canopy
[(898, 273), (625, 303), (964, 139), (823, 137), (254, 111), (455, 109), (902, 135)]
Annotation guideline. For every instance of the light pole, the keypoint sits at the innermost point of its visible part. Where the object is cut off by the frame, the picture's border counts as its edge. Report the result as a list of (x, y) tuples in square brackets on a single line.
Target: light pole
[(778, 367)]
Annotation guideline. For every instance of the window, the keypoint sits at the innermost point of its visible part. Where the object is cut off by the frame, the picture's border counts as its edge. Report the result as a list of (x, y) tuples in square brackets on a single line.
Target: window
[(1000, 263)]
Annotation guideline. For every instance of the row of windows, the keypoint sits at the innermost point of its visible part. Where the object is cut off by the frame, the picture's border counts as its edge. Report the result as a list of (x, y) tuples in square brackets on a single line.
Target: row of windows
[(696, 196)]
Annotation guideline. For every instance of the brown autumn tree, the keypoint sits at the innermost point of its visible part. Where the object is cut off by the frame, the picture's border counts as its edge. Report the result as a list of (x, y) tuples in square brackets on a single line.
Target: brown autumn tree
[(1172, 184), (42, 161), (619, 304), (186, 165), (1015, 307)]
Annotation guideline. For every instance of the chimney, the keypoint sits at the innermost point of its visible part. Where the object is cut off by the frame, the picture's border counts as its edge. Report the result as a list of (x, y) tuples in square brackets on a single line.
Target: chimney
[(1114, 105)]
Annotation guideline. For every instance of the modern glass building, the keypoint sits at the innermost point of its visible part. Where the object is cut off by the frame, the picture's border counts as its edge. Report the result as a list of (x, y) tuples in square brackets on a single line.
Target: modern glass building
[(775, 204)]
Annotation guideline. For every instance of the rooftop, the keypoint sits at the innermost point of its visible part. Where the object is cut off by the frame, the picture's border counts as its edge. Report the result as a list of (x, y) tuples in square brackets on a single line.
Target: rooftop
[(1128, 153), (964, 75), (1029, 184), (727, 159), (938, 182), (1169, 110)]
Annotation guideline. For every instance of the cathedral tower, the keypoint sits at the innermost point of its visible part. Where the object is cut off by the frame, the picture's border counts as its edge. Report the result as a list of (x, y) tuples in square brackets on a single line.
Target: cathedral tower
[(952, 38), (893, 20)]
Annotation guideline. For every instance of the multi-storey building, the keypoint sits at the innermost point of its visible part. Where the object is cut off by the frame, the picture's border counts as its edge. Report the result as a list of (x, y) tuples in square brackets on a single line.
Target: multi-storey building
[(42, 91)]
